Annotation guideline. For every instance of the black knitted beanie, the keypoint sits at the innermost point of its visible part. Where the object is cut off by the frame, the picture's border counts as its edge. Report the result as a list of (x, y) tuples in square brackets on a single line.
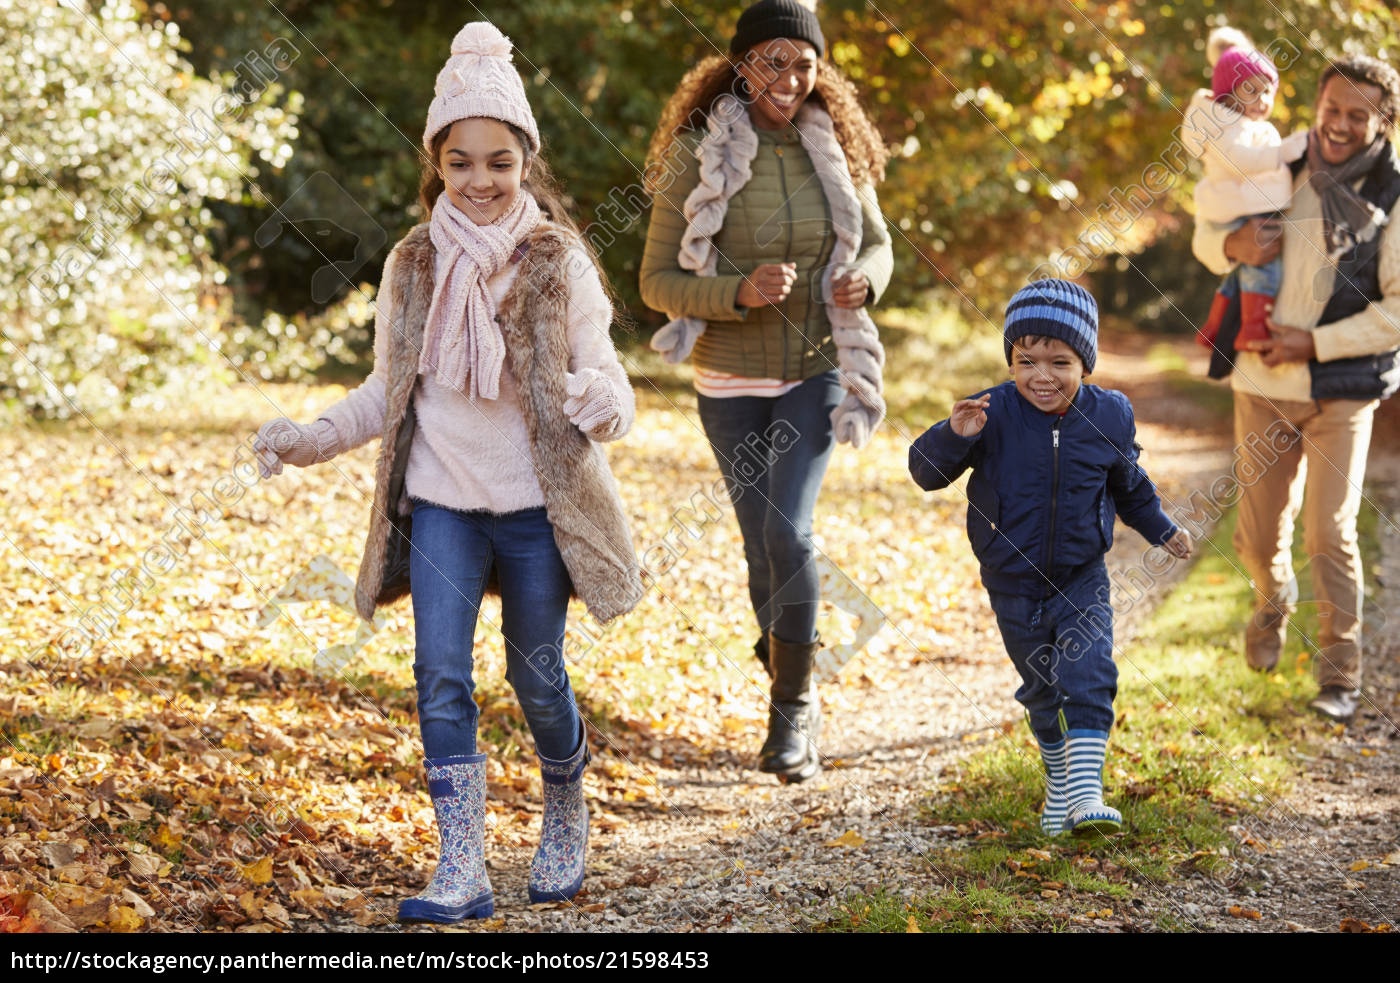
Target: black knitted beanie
[(769, 19)]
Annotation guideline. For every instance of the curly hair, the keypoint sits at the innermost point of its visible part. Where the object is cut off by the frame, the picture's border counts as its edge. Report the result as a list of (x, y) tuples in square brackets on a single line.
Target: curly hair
[(689, 107), (1368, 71)]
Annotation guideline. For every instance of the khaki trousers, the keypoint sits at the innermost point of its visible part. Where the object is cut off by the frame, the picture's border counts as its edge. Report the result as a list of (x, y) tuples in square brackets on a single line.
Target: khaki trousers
[(1320, 448)]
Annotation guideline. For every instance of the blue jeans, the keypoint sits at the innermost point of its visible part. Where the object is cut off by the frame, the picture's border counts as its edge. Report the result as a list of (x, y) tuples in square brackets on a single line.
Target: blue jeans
[(1062, 646), (773, 453), (1264, 279), (452, 556)]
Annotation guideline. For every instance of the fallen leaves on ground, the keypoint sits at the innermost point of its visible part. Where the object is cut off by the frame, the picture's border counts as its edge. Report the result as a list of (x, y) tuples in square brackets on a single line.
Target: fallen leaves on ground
[(192, 770), (850, 838), (1358, 927)]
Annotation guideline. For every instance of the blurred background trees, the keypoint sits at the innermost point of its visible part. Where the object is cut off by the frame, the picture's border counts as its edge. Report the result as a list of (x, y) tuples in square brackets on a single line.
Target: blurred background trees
[(1017, 126)]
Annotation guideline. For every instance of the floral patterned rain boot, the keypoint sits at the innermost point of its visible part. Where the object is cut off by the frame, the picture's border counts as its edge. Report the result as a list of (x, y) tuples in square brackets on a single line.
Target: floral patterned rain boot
[(556, 873), (460, 888)]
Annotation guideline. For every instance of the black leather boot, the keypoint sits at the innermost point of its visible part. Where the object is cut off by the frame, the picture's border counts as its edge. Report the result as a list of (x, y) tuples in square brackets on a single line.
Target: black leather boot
[(794, 718), (760, 649)]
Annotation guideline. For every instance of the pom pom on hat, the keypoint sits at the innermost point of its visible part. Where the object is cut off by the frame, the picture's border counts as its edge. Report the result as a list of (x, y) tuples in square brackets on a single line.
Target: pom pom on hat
[(1222, 39), (481, 38), (479, 80), (1233, 59)]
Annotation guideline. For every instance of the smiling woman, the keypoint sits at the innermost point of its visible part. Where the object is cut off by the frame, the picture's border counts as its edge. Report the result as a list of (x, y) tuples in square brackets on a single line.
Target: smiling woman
[(766, 245)]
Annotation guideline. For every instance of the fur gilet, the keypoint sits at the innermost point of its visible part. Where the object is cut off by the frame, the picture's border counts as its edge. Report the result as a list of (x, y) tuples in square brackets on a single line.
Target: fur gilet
[(580, 494)]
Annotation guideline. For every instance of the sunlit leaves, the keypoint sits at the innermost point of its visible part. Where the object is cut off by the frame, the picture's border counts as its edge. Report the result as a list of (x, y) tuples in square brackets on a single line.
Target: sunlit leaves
[(112, 149)]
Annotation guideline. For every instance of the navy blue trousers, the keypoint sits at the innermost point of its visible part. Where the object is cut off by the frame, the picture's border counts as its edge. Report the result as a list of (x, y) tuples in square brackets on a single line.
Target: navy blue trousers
[(1062, 645)]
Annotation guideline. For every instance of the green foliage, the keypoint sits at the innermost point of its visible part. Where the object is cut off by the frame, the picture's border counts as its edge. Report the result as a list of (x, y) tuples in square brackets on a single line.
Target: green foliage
[(596, 75), (1014, 134), (114, 148), (1012, 129)]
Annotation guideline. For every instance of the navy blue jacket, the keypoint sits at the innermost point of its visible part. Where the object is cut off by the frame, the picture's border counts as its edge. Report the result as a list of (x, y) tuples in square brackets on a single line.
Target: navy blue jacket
[(1044, 488)]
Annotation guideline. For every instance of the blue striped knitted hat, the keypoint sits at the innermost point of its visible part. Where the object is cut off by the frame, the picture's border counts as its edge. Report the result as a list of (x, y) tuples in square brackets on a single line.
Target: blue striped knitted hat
[(1056, 309)]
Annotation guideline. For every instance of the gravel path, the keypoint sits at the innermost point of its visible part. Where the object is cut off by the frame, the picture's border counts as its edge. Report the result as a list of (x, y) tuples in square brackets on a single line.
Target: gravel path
[(718, 847), (723, 848), (1327, 855)]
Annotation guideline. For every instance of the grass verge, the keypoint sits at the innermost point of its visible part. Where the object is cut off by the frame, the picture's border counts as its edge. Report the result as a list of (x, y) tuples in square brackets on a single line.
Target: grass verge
[(1201, 744)]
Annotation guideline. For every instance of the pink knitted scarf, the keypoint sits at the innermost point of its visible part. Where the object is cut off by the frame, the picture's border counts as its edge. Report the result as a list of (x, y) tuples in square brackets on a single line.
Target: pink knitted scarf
[(462, 341)]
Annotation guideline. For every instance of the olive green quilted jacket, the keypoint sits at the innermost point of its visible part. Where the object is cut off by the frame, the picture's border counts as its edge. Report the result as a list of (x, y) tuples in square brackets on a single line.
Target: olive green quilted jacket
[(780, 216)]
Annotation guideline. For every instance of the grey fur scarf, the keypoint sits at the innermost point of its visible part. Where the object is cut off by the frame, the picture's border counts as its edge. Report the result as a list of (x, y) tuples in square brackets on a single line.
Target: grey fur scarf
[(580, 494), (726, 156)]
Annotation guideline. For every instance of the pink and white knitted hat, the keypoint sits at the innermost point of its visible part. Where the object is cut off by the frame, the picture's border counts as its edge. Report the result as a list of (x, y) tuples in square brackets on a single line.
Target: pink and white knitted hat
[(1233, 59), (479, 80)]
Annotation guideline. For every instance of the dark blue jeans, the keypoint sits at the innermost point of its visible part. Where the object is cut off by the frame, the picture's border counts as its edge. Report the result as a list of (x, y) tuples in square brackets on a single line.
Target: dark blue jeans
[(452, 556), (773, 453), (1063, 648)]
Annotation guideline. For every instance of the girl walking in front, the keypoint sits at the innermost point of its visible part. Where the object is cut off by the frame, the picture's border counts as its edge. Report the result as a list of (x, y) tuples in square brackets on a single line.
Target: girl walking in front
[(494, 380)]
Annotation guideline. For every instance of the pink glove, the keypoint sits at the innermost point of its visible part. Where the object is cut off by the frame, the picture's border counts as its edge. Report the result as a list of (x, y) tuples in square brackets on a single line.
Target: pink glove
[(592, 405), (281, 441)]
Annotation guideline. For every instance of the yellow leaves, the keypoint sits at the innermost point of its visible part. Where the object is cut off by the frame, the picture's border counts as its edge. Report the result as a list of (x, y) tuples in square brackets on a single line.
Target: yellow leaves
[(167, 839), (912, 927), (262, 908), (898, 44), (310, 899), (257, 873), (122, 918), (251, 904), (1358, 865), (850, 838), (1236, 911)]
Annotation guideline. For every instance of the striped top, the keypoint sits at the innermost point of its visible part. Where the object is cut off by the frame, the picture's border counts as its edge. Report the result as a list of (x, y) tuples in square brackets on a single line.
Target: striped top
[(722, 384)]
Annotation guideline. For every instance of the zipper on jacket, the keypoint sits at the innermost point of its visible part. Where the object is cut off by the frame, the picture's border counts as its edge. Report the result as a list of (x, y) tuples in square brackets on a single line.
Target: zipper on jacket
[(1054, 515), (787, 252)]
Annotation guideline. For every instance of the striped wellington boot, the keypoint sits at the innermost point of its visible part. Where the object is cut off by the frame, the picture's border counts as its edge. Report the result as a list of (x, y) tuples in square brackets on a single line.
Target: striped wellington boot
[(1084, 785), (1055, 758)]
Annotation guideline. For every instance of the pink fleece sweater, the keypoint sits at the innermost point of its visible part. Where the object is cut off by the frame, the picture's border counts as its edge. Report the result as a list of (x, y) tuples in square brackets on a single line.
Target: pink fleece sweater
[(476, 454)]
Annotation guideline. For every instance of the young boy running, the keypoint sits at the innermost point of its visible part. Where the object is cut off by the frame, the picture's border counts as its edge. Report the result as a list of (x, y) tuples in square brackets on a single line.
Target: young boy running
[(1053, 459)]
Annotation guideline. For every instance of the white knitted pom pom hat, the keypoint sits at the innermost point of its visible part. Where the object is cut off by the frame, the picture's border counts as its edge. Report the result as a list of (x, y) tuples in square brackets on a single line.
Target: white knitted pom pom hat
[(479, 80)]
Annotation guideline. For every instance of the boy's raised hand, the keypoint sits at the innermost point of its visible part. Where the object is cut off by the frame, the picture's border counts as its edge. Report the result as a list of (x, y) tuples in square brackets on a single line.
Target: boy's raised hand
[(1179, 545), (969, 416)]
